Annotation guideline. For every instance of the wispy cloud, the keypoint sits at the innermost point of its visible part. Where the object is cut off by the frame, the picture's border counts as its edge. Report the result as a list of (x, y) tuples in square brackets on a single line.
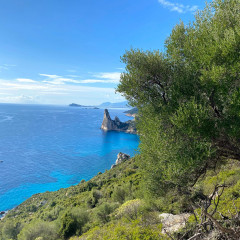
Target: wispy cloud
[(178, 7), (56, 79), (53, 76), (57, 89), (97, 81), (108, 77), (25, 80), (6, 66), (19, 99), (103, 77)]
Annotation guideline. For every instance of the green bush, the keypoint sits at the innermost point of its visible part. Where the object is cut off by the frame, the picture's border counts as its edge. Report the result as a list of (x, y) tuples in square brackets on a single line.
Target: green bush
[(72, 223), (122, 231), (10, 230), (103, 212), (129, 209), (32, 208), (119, 194), (94, 198), (38, 229)]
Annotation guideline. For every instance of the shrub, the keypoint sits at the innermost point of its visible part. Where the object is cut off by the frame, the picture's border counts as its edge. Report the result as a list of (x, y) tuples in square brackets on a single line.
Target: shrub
[(38, 229), (32, 208), (72, 223), (10, 230), (129, 209), (103, 212), (119, 194), (94, 198)]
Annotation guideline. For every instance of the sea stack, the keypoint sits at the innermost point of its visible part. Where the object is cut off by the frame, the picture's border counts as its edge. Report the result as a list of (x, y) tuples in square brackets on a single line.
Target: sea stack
[(116, 125)]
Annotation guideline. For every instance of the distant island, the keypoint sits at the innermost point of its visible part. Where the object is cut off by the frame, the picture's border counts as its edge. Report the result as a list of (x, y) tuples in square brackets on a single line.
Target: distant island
[(82, 106), (104, 105), (114, 105)]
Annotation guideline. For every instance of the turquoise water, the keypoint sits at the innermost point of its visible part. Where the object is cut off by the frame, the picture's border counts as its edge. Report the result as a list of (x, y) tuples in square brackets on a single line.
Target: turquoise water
[(45, 148)]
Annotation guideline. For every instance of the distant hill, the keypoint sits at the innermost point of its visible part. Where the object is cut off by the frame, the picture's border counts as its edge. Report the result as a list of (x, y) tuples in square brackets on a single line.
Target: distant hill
[(114, 105), (81, 106), (75, 105)]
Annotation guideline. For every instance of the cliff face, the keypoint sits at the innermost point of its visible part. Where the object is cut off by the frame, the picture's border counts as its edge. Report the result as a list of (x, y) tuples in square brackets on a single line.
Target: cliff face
[(116, 125)]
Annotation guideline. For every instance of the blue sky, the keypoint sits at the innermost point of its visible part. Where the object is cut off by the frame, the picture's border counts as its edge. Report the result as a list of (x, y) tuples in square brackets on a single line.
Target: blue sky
[(64, 51)]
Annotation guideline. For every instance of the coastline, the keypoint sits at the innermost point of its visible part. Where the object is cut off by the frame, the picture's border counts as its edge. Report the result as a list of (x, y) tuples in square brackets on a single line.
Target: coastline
[(70, 151)]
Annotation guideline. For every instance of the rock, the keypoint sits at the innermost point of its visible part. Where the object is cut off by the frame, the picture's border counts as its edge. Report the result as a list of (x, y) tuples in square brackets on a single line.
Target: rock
[(113, 166), (122, 157), (172, 223), (116, 125)]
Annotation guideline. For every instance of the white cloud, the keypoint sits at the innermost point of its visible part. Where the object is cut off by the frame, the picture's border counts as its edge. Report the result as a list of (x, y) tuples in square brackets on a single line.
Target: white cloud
[(25, 80), (104, 77), (177, 7), (56, 89), (18, 99), (57, 80), (109, 75), (85, 81), (19, 86), (73, 76), (60, 81), (49, 75)]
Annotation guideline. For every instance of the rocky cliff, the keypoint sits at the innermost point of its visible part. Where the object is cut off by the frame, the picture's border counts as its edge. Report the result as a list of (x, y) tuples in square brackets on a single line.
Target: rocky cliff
[(116, 125)]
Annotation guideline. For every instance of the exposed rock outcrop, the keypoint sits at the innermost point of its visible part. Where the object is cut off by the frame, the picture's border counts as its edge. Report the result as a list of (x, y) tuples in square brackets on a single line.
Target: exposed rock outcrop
[(121, 157), (172, 223), (116, 125)]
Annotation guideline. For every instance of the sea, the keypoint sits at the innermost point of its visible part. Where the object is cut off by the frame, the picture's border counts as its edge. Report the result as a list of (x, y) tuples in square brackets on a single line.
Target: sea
[(45, 148)]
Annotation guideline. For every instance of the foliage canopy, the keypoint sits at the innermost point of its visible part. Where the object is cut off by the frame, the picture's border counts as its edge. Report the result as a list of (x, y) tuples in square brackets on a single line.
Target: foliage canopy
[(188, 97)]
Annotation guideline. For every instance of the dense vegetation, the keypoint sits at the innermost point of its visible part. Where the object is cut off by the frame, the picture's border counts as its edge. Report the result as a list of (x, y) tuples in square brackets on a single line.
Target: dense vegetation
[(188, 97), (188, 100)]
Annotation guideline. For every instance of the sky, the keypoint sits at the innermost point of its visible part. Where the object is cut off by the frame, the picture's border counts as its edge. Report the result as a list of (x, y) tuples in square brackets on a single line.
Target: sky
[(68, 51)]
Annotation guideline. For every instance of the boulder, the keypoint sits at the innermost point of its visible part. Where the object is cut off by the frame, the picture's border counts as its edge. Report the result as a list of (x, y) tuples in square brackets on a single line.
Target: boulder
[(172, 223)]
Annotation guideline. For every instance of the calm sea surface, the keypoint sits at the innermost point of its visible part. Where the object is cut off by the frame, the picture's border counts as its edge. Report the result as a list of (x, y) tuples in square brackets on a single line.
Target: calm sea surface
[(45, 148)]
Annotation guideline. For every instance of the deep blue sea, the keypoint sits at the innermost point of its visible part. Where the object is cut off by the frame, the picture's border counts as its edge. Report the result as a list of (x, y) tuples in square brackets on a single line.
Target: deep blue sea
[(45, 148)]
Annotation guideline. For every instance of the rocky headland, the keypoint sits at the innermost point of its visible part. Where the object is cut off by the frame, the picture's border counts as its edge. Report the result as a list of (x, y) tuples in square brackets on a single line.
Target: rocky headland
[(116, 125)]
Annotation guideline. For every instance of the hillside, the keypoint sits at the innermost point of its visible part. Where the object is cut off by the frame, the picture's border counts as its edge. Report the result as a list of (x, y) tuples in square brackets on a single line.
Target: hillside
[(123, 104), (112, 206), (132, 112)]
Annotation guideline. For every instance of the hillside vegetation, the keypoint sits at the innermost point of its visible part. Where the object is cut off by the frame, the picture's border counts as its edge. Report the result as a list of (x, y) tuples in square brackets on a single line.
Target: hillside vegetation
[(188, 101)]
